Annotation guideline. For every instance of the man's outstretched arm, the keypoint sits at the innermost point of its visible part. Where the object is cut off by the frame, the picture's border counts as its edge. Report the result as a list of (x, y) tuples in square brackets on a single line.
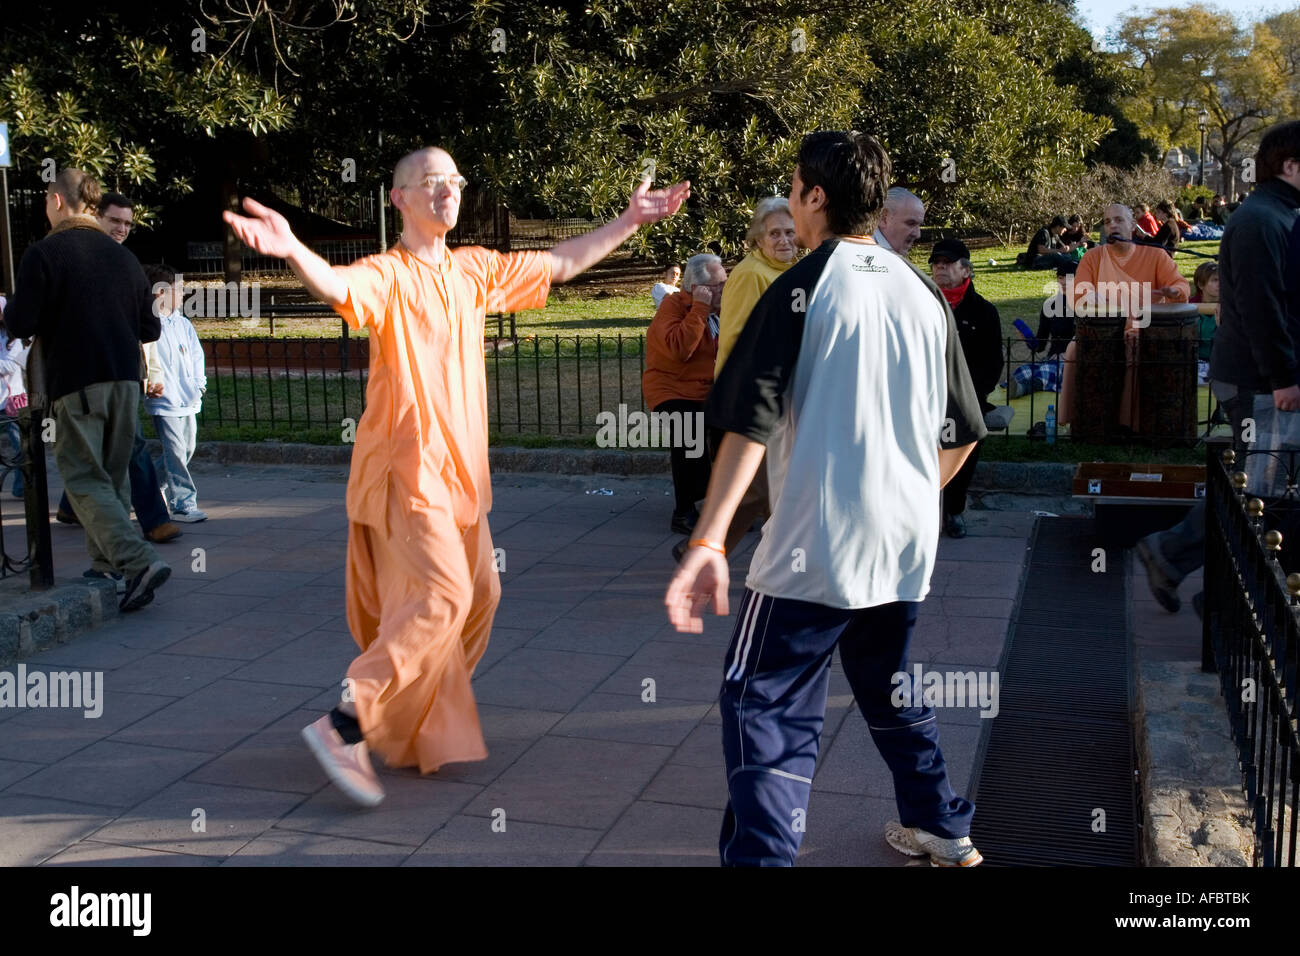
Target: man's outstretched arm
[(951, 460), (574, 256), (268, 232)]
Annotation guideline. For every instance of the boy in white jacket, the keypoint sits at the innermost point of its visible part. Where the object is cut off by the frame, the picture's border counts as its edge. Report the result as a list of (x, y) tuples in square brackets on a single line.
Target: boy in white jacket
[(174, 393)]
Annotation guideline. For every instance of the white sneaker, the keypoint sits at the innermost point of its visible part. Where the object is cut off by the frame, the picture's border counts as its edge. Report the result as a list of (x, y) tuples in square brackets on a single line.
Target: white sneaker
[(189, 517), (942, 851), (347, 765)]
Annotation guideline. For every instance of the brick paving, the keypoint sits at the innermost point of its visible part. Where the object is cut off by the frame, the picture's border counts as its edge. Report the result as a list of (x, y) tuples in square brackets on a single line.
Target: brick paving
[(207, 689)]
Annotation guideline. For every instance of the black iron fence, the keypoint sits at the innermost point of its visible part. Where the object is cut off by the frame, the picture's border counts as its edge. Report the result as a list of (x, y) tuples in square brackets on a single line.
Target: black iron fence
[(556, 385), (1251, 634), (539, 385)]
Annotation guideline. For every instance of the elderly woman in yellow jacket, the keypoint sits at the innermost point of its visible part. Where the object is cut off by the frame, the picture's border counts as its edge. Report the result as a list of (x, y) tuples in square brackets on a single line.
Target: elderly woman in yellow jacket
[(772, 248)]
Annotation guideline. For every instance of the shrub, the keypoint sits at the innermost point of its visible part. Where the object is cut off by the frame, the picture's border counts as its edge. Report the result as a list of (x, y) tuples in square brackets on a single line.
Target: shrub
[(1014, 211)]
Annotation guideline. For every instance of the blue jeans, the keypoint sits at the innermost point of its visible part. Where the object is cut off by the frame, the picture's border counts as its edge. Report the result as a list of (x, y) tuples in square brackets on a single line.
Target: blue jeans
[(150, 509), (1181, 550), (774, 703), (17, 454), (178, 436)]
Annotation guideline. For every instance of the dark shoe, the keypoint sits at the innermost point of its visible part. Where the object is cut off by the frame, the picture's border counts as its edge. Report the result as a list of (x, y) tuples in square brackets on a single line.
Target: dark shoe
[(118, 581), (140, 591), (679, 550), (1164, 589), (1198, 604), (164, 532), (955, 526), (685, 524), (64, 517), (1038, 432)]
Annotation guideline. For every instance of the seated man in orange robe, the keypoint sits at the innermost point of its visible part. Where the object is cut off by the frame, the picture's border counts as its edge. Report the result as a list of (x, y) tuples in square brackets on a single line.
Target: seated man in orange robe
[(1125, 278), (421, 582)]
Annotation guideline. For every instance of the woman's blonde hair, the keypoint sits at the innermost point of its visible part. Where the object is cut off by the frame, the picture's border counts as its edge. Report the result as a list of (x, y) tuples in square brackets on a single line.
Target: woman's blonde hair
[(764, 209)]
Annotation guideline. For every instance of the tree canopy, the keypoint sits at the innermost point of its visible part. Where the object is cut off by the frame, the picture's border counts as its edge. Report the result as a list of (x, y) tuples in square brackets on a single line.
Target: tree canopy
[(558, 108)]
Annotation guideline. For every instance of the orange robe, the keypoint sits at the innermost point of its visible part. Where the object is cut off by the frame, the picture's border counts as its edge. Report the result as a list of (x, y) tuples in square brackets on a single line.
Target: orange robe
[(422, 585), (1146, 268)]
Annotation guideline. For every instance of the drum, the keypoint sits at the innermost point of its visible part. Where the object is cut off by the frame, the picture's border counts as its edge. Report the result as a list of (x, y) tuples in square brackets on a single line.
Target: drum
[(1098, 377), (1167, 412)]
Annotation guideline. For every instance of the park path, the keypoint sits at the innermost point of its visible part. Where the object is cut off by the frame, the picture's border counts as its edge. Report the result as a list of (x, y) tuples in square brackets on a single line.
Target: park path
[(196, 759)]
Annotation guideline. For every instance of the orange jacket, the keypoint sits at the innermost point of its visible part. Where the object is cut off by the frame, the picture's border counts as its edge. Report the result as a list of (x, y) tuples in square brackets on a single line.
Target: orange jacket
[(679, 352)]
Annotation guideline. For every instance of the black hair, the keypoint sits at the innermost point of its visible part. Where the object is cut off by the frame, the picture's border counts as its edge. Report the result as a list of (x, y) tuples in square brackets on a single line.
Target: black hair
[(114, 199), (1280, 143), (1057, 221), (853, 169), (157, 272)]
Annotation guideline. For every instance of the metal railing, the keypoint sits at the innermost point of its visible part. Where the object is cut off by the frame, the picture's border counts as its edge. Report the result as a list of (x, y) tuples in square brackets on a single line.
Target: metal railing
[(539, 385), (1170, 409), (1251, 632), (555, 385)]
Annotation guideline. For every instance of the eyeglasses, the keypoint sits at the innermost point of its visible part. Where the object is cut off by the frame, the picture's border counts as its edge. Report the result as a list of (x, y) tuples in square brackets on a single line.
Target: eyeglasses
[(437, 180)]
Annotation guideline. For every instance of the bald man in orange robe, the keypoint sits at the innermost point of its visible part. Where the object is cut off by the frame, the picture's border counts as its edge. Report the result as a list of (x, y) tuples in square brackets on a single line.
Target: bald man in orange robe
[(422, 585)]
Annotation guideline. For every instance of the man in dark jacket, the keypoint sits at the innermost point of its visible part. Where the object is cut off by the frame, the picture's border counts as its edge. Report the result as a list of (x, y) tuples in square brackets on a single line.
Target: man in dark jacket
[(1255, 364), (116, 218), (88, 301), (980, 329)]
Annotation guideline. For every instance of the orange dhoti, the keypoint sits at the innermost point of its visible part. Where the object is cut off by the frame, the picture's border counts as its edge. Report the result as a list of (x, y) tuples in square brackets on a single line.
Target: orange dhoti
[(422, 585), (420, 602)]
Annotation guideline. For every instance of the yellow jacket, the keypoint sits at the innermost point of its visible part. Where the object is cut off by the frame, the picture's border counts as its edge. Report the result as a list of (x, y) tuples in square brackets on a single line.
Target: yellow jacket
[(746, 284)]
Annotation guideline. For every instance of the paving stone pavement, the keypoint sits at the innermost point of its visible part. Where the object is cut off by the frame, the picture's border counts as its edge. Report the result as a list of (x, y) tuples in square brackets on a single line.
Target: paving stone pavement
[(1196, 810), (196, 759)]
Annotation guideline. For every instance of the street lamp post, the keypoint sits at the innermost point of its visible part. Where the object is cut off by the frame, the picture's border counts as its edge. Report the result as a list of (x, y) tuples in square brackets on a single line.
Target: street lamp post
[(1202, 122)]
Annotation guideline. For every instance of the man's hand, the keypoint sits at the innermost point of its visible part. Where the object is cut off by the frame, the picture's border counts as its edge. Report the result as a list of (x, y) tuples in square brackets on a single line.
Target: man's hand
[(702, 576), (647, 207), (702, 293), (154, 391), (1287, 399), (574, 256), (266, 231), (1169, 291)]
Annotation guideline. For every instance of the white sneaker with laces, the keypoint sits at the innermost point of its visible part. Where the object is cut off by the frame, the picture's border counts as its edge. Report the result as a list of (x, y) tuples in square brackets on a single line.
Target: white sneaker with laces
[(347, 765), (942, 851), (189, 517)]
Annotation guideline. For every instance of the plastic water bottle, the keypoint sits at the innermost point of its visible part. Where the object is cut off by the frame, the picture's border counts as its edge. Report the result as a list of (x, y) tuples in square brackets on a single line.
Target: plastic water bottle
[(1051, 424)]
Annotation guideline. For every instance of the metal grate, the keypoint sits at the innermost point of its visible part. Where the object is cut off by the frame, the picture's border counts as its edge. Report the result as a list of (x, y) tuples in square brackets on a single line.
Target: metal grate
[(1062, 744)]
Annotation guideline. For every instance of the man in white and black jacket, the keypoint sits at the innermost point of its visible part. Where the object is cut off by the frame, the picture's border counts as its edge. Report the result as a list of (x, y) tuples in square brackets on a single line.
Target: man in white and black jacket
[(850, 372)]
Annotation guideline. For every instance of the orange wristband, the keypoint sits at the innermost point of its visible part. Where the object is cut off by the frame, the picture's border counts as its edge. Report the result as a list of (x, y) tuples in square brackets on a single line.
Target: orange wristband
[(703, 543)]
